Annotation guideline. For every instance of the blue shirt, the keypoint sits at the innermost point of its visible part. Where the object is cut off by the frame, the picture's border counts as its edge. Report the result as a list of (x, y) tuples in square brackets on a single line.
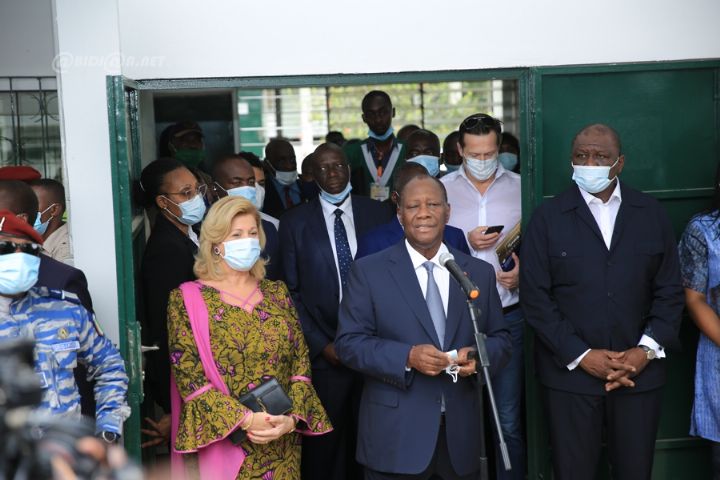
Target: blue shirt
[(294, 192)]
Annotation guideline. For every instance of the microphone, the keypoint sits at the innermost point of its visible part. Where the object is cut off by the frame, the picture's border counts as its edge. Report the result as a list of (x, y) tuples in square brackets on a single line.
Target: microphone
[(448, 261)]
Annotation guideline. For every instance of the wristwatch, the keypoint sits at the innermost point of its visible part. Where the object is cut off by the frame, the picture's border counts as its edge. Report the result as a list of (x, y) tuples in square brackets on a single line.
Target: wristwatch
[(110, 437), (649, 352)]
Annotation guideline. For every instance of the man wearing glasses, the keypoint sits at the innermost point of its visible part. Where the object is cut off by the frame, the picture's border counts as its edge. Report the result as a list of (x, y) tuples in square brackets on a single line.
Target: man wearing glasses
[(64, 333), (602, 290), (485, 201)]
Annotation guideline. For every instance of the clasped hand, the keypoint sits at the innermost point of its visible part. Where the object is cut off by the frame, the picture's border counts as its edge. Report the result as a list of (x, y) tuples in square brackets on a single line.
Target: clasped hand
[(264, 428), (428, 360), (616, 368)]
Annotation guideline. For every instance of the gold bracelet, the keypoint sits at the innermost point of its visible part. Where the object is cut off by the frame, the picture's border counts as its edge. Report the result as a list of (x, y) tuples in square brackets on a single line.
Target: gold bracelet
[(247, 425)]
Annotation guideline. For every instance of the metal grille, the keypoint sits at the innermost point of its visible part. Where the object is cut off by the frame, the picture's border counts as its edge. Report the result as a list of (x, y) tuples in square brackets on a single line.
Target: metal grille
[(30, 124)]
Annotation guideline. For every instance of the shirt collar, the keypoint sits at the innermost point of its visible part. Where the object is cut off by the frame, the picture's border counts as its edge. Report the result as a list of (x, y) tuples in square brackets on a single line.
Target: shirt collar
[(329, 208), (590, 198), (418, 259)]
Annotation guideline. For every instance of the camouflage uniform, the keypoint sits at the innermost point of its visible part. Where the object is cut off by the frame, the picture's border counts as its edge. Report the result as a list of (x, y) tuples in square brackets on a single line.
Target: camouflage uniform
[(66, 333)]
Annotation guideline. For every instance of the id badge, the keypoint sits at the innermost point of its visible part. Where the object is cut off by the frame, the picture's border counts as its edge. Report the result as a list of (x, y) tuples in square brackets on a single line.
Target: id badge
[(379, 192)]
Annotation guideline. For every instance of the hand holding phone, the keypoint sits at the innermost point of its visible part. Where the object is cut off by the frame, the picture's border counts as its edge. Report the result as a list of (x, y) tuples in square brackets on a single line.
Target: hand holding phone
[(494, 229)]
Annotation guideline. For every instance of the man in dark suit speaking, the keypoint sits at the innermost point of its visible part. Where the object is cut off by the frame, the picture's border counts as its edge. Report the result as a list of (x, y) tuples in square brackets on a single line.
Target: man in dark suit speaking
[(601, 287), (400, 319)]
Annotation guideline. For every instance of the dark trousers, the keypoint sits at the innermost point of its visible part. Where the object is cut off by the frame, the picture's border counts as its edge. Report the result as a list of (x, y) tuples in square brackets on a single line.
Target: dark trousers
[(630, 423), (715, 448), (332, 456), (440, 467)]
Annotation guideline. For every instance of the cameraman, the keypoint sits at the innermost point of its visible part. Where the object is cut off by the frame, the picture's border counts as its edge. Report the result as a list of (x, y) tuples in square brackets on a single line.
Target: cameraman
[(64, 333)]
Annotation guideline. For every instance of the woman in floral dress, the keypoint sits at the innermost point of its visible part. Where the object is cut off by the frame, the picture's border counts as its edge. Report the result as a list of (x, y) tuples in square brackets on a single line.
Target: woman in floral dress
[(254, 334)]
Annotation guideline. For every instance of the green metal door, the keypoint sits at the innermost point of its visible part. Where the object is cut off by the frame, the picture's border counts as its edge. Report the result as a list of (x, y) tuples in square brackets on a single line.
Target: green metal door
[(667, 117), (125, 163)]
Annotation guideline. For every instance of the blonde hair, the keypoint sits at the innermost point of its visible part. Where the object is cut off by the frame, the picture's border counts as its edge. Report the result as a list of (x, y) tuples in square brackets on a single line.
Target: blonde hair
[(215, 229)]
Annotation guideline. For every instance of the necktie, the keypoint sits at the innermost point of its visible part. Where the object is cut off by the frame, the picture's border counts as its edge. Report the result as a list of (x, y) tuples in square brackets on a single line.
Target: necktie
[(288, 198), (344, 256), (434, 303)]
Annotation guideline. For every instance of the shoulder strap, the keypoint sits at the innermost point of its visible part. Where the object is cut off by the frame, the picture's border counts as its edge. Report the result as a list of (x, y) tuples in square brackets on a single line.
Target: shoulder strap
[(199, 322)]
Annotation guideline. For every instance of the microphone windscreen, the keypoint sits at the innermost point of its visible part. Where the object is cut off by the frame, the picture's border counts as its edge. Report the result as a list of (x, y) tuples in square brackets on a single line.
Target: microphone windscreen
[(446, 257)]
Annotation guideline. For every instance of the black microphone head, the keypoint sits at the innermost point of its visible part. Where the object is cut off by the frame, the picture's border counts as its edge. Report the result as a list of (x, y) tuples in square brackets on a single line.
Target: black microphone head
[(446, 257)]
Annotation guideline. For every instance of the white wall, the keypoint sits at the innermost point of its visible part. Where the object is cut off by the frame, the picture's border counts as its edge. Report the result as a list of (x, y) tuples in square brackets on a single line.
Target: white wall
[(87, 36), (26, 38), (217, 38)]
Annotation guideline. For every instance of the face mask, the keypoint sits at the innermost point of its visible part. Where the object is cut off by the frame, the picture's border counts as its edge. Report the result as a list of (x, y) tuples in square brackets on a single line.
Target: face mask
[(241, 254), (191, 211), (508, 160), (382, 137), (18, 272), (259, 195), (189, 157), (40, 226), (336, 198), (249, 193), (452, 168), (430, 162), (286, 178), (481, 169), (593, 179)]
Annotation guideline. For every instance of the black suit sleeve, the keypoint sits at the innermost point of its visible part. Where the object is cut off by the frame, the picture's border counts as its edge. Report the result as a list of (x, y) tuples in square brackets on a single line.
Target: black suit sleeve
[(537, 298), (498, 342)]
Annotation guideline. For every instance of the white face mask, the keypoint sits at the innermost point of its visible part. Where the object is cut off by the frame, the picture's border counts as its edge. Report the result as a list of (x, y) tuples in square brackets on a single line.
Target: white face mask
[(286, 178), (259, 196), (481, 169)]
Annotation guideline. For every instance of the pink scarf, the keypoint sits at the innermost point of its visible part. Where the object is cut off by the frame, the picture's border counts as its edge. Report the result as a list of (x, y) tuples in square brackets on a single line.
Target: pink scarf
[(220, 460)]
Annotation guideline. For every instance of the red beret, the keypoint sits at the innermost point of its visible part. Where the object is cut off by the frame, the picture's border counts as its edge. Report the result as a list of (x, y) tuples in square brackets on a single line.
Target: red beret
[(11, 225), (20, 172)]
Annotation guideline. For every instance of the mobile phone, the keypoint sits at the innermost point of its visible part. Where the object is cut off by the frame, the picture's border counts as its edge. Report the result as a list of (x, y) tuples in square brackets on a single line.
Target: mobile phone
[(494, 229)]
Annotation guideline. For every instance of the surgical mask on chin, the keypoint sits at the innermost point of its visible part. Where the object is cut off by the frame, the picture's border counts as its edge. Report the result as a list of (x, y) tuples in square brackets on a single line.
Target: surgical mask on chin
[(286, 178), (247, 192), (452, 168), (18, 272), (336, 198), (191, 211), (508, 160), (430, 162), (382, 137), (481, 169), (259, 195), (593, 179), (241, 254)]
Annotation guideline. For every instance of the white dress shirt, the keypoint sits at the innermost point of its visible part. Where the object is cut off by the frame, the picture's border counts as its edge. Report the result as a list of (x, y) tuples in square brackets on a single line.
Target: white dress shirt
[(440, 273), (348, 220), (499, 205), (605, 215)]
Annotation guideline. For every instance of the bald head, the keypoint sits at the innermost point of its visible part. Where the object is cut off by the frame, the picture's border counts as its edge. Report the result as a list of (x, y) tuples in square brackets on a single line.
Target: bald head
[(19, 198), (599, 129), (281, 155), (325, 149), (232, 172)]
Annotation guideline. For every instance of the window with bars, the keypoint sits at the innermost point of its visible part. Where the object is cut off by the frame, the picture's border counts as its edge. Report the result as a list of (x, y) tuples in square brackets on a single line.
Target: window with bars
[(305, 115), (30, 124)]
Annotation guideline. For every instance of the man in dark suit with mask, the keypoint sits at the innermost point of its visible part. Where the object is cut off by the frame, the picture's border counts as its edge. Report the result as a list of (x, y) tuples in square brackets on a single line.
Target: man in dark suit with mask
[(318, 242)]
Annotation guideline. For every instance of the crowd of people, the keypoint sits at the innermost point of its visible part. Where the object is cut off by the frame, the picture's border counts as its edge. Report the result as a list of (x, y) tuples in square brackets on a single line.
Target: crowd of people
[(308, 327)]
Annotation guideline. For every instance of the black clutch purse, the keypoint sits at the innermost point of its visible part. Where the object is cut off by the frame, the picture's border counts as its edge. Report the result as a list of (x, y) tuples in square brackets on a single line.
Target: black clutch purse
[(268, 397)]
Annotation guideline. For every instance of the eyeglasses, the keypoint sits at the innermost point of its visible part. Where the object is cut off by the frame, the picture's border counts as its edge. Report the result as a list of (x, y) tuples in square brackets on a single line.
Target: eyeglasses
[(7, 247), (189, 193), (480, 119)]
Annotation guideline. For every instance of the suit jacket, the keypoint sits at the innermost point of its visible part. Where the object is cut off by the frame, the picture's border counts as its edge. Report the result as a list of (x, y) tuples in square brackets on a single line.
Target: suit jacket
[(384, 236), (61, 276), (273, 205), (384, 314), (309, 266), (272, 251), (167, 262), (578, 295)]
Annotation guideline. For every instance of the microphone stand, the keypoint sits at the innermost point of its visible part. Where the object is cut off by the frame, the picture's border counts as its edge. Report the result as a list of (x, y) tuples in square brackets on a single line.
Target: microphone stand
[(484, 362)]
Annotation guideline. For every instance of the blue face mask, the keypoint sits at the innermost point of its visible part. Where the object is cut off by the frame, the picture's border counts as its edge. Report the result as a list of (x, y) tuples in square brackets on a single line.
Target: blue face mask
[(452, 168), (430, 162), (241, 254), (40, 226), (481, 169), (593, 179), (18, 272), (336, 198), (508, 160), (382, 137), (249, 193), (191, 211)]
